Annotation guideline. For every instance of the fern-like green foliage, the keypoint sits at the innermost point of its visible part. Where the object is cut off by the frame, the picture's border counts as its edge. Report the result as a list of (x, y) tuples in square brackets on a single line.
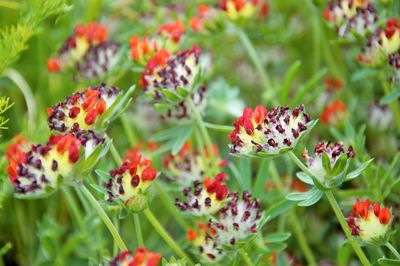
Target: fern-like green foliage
[(13, 39), (12, 42), (5, 104)]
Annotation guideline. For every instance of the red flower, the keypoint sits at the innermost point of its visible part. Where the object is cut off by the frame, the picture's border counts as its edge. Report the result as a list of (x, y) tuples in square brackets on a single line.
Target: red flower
[(173, 30), (334, 112), (369, 221), (141, 257)]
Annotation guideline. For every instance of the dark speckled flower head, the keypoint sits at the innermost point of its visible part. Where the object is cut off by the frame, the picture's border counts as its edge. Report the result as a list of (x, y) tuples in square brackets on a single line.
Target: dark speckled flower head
[(265, 133)]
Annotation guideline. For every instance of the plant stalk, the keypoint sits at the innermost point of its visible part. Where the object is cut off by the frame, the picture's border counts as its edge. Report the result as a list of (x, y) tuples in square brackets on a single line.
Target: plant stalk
[(95, 204), (164, 234), (393, 250)]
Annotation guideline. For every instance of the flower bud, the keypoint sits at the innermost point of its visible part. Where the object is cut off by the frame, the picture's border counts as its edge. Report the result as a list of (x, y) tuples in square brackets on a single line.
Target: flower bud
[(329, 162), (267, 133)]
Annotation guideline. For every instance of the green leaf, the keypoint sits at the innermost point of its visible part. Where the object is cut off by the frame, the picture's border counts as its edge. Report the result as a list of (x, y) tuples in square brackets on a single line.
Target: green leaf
[(179, 141), (343, 254), (388, 262), (287, 82), (304, 178), (326, 162), (171, 96), (104, 175), (314, 198), (393, 96), (340, 165), (311, 83), (277, 237), (358, 171), (279, 208)]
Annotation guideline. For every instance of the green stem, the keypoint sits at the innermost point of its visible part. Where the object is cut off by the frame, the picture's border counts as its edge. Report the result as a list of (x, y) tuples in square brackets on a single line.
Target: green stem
[(357, 249), (169, 204), (95, 204), (255, 58), (338, 212), (130, 134), (164, 234), (205, 135), (222, 128), (294, 221), (393, 250), (245, 257), (76, 215), (297, 161), (138, 230), (136, 220), (301, 239)]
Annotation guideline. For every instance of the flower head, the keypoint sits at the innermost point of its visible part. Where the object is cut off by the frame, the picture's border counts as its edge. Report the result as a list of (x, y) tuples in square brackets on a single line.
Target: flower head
[(172, 31), (165, 71), (239, 219), (207, 19), (87, 52), (334, 113), (348, 16), (262, 132), (188, 165), (82, 109), (380, 117), (204, 198), (42, 169), (205, 239), (141, 257), (142, 49), (171, 79), (333, 84), (129, 182), (369, 221), (332, 151), (244, 9), (381, 44)]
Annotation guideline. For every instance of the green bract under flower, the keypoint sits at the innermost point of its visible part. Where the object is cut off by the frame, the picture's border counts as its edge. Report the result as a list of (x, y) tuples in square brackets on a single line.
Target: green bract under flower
[(268, 133)]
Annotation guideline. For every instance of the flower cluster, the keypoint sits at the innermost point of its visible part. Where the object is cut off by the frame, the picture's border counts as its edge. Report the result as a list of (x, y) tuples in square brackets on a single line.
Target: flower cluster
[(170, 79), (333, 151), (262, 132), (206, 241), (205, 198), (141, 257), (42, 169), (383, 45), (82, 109), (129, 182), (87, 52), (239, 219), (334, 113), (352, 16), (244, 9), (167, 38), (207, 19), (188, 165), (369, 221)]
